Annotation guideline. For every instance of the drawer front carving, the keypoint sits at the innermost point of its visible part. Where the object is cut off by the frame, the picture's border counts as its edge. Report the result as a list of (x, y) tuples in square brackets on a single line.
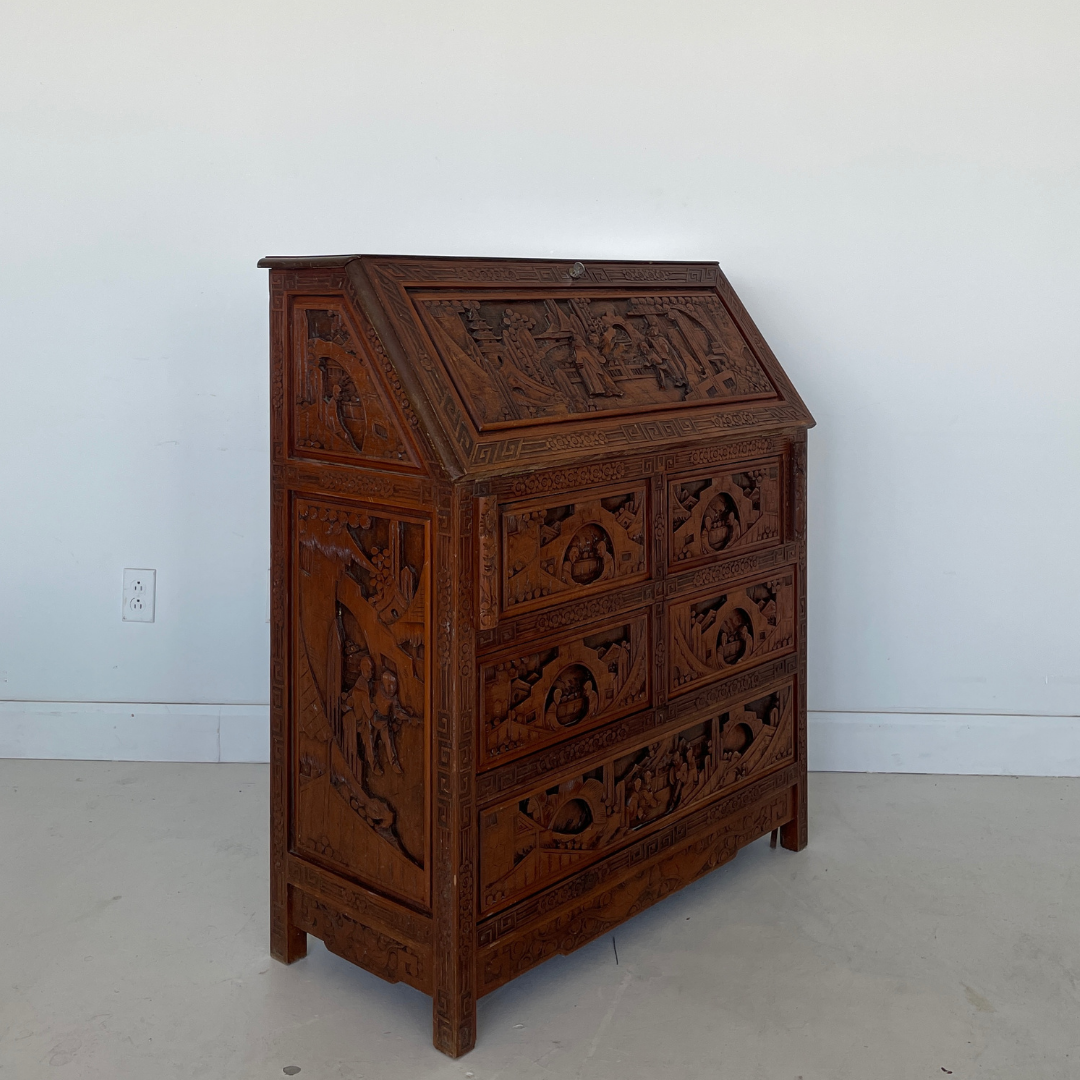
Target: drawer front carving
[(559, 549), (551, 691), (528, 843), (724, 512), (729, 630), (595, 901)]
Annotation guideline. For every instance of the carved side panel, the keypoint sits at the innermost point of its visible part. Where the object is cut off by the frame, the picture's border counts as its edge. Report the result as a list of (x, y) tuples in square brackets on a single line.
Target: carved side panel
[(360, 657), (562, 686), (529, 842), (724, 512), (339, 407), (585, 543), (727, 631)]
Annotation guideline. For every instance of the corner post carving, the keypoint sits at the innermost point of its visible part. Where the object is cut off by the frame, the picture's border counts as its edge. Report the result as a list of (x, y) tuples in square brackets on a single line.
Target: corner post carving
[(454, 999), (794, 835), (488, 543), (287, 941)]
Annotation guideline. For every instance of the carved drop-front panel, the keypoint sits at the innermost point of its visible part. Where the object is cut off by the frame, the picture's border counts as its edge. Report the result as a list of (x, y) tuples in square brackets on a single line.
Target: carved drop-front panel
[(728, 630), (361, 661), (724, 512), (560, 687), (583, 543), (536, 359), (534, 840), (339, 406)]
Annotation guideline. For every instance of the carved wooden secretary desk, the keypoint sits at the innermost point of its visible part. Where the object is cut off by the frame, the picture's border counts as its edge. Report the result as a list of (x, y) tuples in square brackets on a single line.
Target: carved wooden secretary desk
[(539, 606)]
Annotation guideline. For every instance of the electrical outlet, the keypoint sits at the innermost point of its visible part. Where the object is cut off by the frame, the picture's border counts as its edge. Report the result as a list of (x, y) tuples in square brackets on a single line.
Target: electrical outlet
[(140, 587)]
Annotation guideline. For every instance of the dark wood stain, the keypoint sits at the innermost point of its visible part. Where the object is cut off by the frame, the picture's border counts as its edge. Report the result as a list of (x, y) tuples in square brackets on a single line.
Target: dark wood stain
[(538, 651)]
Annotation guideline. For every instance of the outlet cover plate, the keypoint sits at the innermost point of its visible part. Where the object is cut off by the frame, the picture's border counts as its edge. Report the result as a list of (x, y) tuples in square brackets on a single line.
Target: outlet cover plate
[(140, 590)]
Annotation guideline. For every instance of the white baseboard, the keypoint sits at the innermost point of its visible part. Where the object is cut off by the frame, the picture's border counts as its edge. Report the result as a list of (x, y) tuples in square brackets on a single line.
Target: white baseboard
[(944, 743), (838, 741), (115, 731)]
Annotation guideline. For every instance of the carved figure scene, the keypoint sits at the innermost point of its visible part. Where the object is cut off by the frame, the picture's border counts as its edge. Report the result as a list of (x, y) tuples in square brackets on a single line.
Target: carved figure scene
[(543, 696), (539, 838), (724, 512), (732, 630), (544, 359), (549, 550), (339, 405), (362, 640)]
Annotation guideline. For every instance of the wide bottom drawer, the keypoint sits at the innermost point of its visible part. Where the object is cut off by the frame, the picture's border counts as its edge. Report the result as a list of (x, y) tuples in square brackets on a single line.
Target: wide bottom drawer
[(590, 903), (531, 842)]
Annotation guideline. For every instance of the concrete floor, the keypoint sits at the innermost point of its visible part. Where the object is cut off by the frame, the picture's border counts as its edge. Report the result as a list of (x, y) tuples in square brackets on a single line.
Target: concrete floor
[(930, 929)]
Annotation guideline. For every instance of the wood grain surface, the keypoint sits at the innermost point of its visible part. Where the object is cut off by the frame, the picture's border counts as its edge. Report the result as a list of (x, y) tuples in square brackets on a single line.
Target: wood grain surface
[(538, 606)]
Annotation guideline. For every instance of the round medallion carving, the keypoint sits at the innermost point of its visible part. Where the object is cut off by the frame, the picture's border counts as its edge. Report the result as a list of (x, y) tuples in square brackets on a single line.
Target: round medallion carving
[(589, 556), (720, 524), (572, 696), (736, 637)]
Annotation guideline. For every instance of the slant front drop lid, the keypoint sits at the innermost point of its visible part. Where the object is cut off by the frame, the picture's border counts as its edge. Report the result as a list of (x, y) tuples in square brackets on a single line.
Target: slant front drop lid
[(538, 651)]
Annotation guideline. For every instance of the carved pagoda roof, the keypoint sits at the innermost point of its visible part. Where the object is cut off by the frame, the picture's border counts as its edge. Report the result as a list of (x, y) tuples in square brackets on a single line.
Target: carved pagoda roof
[(514, 364)]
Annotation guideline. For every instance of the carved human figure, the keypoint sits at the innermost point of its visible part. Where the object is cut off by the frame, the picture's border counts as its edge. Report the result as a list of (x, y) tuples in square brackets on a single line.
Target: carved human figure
[(592, 698), (647, 799), (714, 532), (358, 702), (520, 343), (665, 361), (387, 716), (551, 713), (573, 553), (607, 559), (734, 528), (691, 769), (590, 365)]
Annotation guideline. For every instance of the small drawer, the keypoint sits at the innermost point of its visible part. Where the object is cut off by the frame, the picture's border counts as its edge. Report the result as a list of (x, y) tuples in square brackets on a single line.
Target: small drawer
[(551, 689), (557, 549), (723, 512), (731, 629), (529, 843)]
